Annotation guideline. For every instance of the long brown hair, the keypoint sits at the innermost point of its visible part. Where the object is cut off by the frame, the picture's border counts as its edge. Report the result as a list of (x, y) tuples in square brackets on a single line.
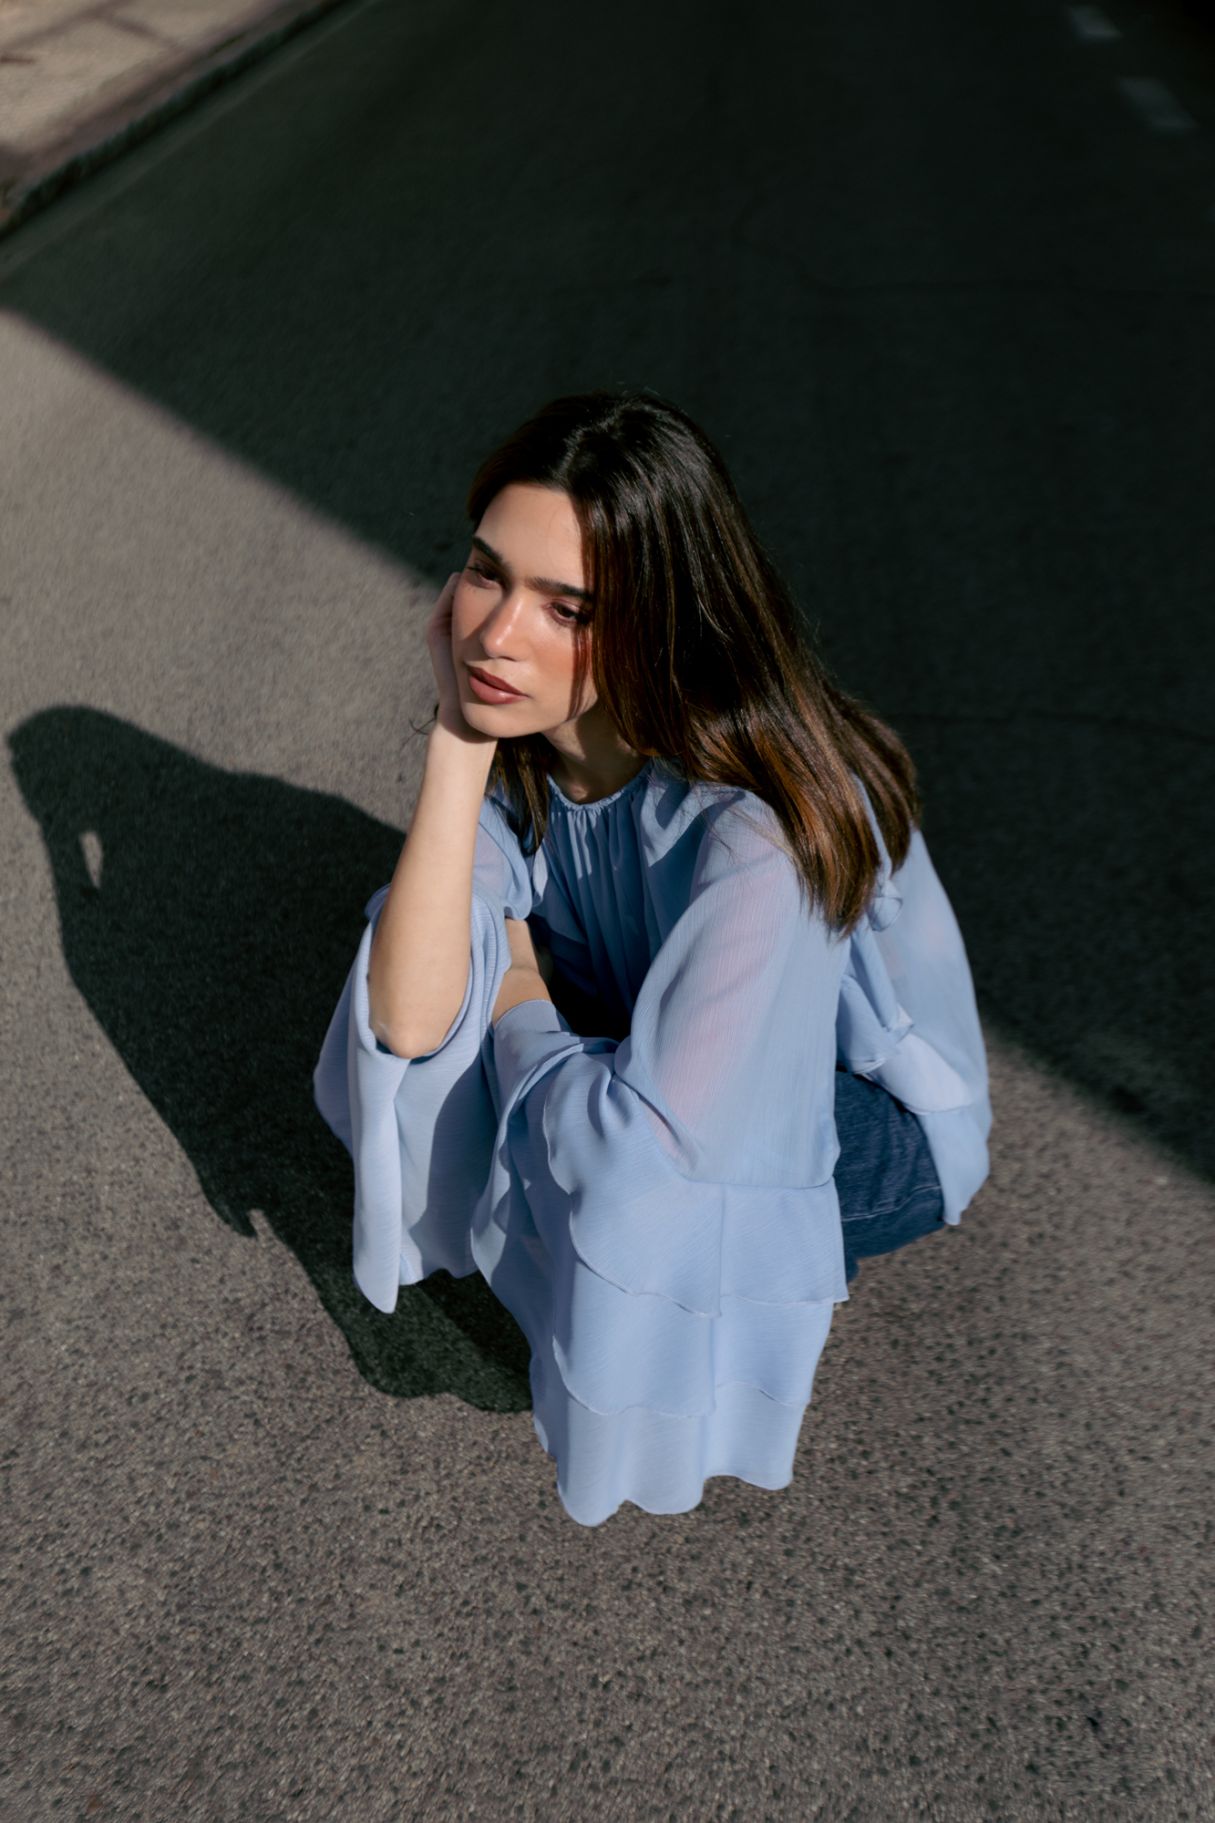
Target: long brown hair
[(697, 652)]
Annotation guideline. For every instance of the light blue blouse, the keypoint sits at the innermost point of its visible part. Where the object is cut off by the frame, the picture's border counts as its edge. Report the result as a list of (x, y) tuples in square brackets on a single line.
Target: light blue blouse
[(653, 1201)]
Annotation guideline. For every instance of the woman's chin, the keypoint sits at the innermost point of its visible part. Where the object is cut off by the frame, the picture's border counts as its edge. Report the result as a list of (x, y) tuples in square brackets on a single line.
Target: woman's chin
[(503, 719)]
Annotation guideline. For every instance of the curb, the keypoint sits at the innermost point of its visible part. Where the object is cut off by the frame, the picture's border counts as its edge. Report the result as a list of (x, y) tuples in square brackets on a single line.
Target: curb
[(86, 145)]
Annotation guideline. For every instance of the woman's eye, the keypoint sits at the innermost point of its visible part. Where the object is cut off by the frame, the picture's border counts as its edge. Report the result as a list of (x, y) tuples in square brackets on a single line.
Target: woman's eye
[(571, 617), (566, 615)]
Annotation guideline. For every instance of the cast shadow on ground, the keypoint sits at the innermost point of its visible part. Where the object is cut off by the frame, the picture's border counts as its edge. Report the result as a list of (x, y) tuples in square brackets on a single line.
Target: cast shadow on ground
[(212, 949)]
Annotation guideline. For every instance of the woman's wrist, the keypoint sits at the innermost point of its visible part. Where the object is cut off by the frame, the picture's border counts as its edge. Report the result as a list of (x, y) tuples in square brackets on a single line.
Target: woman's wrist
[(446, 749)]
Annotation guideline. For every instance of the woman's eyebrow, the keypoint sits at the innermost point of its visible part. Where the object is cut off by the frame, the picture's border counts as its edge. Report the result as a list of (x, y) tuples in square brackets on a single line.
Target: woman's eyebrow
[(535, 582)]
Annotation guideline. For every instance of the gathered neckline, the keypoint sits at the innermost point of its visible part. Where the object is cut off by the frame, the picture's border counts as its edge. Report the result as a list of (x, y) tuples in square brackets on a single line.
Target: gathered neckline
[(599, 803)]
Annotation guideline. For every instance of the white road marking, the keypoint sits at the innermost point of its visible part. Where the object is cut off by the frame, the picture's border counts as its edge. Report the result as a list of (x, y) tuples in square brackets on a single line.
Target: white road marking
[(1156, 104), (90, 847), (1091, 24)]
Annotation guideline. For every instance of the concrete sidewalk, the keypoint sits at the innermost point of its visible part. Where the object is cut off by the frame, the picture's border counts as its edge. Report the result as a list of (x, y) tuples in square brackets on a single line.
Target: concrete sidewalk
[(82, 79)]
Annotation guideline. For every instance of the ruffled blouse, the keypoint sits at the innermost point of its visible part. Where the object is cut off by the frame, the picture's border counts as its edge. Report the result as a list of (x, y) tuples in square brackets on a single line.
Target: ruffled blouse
[(652, 1197)]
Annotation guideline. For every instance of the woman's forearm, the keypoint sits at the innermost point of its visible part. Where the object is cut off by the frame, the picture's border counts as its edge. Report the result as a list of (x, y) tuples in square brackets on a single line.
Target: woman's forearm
[(420, 954), (518, 984)]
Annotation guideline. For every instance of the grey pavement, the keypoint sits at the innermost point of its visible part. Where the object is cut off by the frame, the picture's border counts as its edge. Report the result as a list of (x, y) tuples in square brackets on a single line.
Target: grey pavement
[(82, 80), (943, 292)]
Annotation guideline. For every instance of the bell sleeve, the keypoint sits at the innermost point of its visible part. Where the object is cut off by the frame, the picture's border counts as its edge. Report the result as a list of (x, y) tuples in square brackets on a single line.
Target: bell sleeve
[(680, 1180), (908, 1018), (420, 1129)]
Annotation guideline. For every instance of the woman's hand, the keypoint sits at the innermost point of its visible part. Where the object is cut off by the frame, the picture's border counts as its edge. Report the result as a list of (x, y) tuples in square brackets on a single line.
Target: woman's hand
[(438, 641)]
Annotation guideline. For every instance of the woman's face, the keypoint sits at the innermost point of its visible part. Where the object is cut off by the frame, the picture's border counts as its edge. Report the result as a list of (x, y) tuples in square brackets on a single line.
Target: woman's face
[(517, 607)]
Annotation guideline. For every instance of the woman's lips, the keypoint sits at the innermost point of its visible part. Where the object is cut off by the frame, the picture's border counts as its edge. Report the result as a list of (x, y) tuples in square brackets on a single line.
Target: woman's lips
[(491, 688)]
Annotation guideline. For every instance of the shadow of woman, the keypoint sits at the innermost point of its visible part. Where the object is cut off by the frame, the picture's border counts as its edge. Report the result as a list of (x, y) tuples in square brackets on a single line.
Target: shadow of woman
[(209, 919)]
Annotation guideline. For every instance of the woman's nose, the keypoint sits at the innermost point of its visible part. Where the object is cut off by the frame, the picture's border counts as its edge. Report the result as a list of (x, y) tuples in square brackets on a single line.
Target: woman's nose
[(500, 628)]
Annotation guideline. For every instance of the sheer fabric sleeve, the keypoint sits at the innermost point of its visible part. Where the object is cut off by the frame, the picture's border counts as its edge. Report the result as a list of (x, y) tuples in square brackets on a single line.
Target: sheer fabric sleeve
[(420, 1129), (680, 1179), (908, 1018)]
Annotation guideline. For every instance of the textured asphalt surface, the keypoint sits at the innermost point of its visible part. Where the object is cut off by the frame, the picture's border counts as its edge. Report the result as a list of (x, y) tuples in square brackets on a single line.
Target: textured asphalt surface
[(941, 281)]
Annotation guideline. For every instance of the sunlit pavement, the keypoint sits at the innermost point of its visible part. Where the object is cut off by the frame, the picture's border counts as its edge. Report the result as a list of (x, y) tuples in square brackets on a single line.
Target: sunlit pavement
[(940, 285), (83, 80)]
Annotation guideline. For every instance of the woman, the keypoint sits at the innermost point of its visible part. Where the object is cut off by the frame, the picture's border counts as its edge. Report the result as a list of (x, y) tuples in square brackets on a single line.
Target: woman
[(623, 1031)]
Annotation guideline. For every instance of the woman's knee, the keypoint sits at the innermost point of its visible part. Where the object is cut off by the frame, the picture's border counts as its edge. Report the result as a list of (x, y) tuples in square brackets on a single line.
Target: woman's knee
[(885, 1171)]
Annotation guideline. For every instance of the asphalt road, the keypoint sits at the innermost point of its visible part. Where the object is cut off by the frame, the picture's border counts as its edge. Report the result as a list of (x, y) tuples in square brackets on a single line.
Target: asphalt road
[(941, 281)]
